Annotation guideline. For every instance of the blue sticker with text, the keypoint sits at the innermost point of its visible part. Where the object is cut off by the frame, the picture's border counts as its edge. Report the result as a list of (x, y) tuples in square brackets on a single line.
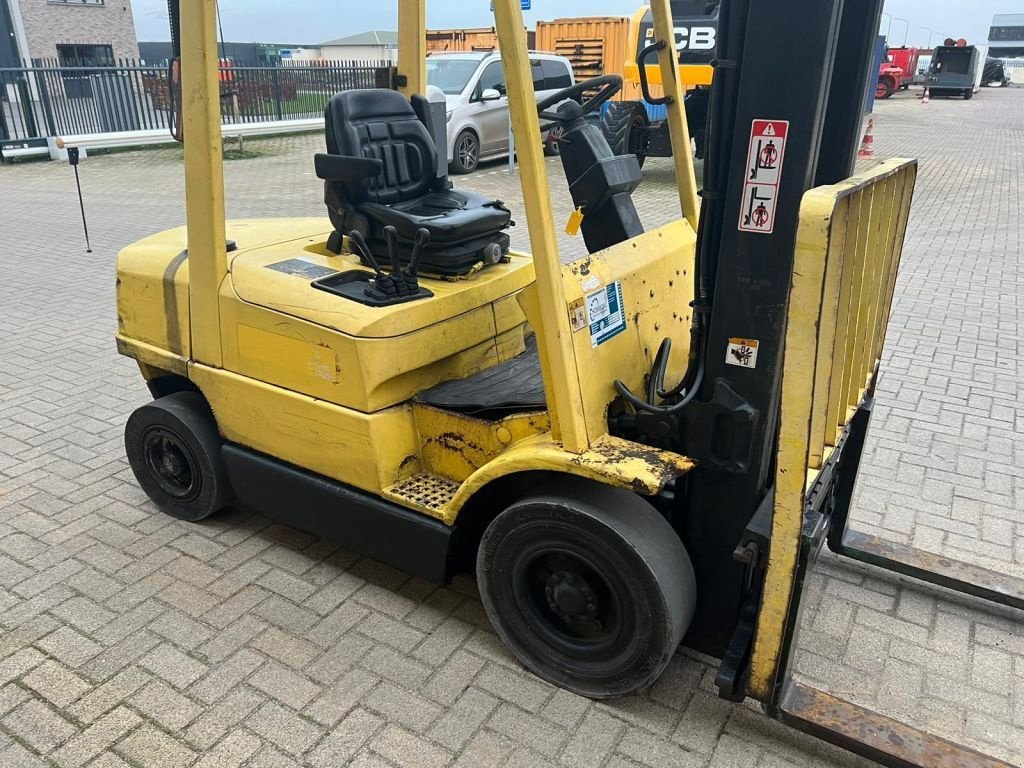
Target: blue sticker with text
[(605, 313)]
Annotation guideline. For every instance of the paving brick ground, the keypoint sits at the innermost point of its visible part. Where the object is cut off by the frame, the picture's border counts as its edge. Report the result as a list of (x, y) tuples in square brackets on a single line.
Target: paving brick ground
[(128, 638)]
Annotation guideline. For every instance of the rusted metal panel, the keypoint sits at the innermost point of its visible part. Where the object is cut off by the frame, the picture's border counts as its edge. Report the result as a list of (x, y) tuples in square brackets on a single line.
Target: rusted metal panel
[(936, 569), (873, 735), (466, 40)]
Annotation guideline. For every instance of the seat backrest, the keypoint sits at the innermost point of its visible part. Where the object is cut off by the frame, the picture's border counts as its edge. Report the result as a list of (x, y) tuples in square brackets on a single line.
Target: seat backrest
[(381, 124)]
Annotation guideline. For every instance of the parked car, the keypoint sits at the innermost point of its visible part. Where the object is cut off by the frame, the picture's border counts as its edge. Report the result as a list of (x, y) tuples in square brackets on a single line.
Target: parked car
[(477, 104)]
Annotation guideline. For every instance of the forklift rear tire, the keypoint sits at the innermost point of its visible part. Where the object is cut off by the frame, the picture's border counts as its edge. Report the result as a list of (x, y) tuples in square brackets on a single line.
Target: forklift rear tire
[(588, 586), (174, 450)]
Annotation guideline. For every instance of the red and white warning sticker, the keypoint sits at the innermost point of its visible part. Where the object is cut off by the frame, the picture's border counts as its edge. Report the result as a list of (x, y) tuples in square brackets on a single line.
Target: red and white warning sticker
[(762, 173)]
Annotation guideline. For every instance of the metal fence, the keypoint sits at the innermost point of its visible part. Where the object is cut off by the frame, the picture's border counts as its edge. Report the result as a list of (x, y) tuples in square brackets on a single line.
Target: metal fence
[(45, 99)]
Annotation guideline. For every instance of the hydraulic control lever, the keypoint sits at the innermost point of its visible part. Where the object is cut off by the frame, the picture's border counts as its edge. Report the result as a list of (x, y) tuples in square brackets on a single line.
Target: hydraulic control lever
[(401, 282), (409, 275), (384, 284)]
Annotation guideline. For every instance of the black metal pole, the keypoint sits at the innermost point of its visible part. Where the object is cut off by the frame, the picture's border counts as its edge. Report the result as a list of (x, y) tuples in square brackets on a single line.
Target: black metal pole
[(73, 159)]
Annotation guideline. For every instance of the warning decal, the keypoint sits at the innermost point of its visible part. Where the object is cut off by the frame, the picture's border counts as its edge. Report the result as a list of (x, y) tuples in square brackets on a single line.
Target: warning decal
[(742, 352), (762, 173)]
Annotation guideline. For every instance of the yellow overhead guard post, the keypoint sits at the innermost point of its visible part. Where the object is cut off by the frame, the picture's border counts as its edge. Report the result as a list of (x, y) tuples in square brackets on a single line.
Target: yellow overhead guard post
[(204, 176), (412, 46), (679, 131), (561, 381)]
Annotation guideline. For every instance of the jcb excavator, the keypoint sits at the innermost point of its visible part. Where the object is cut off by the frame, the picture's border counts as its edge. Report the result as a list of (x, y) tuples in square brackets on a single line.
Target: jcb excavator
[(627, 124), (645, 447)]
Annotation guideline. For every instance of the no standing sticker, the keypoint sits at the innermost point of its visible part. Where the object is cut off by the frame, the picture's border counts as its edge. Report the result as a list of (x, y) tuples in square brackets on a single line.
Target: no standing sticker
[(762, 173)]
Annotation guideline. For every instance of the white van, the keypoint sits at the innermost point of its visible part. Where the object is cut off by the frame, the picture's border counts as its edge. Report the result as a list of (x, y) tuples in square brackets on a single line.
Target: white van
[(474, 89)]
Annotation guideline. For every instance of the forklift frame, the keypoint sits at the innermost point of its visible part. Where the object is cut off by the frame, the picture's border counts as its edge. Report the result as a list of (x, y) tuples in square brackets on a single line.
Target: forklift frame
[(830, 267)]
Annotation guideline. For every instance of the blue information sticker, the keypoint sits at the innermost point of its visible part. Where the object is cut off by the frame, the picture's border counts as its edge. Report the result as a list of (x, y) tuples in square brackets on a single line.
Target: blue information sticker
[(605, 313)]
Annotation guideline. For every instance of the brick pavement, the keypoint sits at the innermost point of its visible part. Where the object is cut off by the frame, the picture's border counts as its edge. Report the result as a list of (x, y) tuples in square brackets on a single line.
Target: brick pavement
[(129, 638)]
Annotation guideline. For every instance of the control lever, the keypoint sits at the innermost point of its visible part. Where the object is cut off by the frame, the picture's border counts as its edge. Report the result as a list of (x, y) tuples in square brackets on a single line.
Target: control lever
[(391, 239), (385, 284), (409, 275)]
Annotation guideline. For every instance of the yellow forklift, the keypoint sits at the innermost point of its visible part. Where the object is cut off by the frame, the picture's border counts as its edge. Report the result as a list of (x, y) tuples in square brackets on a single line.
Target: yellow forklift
[(645, 447)]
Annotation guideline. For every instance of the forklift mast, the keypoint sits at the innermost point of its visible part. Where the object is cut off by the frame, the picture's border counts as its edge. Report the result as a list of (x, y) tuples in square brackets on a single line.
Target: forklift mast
[(745, 258)]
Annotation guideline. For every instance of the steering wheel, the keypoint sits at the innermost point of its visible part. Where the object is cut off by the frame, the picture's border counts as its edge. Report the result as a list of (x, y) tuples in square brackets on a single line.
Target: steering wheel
[(607, 85)]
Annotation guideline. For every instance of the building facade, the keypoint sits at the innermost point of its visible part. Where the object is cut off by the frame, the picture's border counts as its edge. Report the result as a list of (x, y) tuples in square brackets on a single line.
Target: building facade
[(376, 45), (1006, 36), (158, 53), (75, 33)]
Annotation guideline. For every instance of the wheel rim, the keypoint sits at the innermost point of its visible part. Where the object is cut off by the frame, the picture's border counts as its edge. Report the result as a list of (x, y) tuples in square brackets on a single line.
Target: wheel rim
[(171, 463), (467, 151), (574, 612), (555, 136)]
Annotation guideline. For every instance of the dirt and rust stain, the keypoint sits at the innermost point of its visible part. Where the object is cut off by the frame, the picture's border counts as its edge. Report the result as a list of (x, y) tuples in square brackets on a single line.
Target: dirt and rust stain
[(453, 441), (851, 723), (412, 458), (581, 267)]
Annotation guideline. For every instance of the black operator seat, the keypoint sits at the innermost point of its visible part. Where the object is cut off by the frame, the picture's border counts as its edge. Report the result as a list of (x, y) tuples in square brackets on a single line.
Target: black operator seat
[(381, 169)]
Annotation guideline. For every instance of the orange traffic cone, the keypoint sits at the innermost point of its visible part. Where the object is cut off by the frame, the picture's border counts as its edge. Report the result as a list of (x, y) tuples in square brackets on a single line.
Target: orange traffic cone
[(927, 96), (867, 144)]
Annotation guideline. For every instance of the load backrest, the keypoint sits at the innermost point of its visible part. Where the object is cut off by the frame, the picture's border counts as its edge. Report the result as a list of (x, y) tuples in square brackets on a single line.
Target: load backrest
[(381, 124)]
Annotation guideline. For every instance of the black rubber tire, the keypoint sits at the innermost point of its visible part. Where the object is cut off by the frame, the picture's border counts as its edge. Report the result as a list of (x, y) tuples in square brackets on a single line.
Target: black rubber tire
[(637, 581), (465, 161), (185, 429), (624, 124), (968, 94), (884, 89)]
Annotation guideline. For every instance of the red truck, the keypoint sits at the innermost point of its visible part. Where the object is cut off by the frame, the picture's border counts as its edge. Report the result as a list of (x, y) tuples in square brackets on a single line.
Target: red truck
[(907, 59), (896, 71)]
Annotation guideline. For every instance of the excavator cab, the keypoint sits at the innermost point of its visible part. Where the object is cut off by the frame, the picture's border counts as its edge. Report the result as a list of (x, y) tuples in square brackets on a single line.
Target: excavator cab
[(643, 447)]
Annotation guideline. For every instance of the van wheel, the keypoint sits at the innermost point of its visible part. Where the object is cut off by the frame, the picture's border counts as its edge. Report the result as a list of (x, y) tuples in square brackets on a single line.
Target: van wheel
[(551, 141), (466, 154), (588, 586), (174, 450)]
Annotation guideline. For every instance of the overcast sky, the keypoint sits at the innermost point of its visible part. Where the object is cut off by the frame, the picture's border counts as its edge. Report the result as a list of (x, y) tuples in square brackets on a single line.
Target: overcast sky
[(314, 21)]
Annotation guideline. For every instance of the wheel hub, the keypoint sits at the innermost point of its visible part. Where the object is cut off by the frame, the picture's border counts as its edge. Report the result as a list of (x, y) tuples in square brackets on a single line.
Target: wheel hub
[(171, 464), (168, 463), (570, 597)]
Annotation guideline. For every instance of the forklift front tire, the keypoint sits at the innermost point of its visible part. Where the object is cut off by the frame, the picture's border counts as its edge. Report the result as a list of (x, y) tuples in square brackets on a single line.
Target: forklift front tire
[(588, 586), (174, 450)]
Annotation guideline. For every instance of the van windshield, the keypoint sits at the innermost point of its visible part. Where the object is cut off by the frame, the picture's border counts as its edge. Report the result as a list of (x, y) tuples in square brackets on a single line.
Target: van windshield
[(450, 75)]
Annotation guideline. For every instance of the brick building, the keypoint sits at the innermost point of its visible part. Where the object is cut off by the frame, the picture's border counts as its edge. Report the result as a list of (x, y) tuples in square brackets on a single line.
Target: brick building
[(74, 32)]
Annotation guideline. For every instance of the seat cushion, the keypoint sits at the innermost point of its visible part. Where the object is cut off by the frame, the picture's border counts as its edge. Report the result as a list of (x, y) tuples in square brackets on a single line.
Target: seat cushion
[(452, 216)]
